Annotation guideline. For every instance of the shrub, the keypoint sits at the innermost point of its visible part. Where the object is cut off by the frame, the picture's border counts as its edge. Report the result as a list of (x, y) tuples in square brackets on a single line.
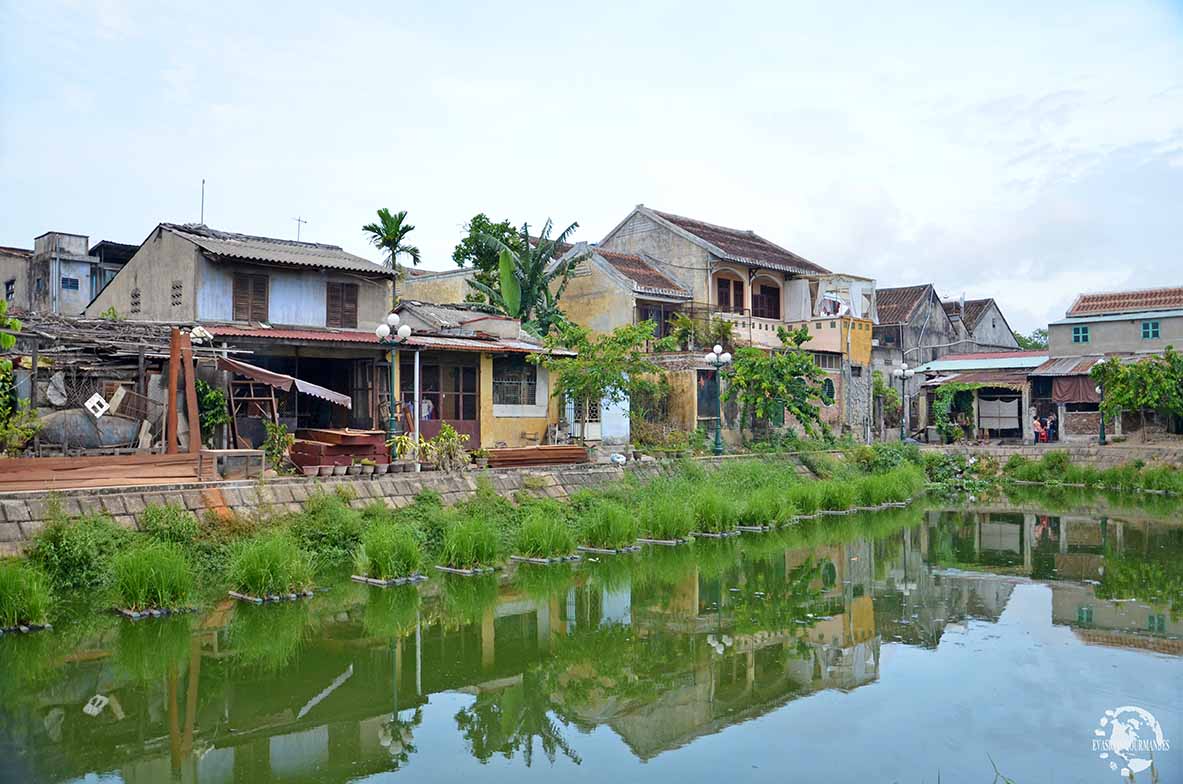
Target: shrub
[(328, 527), (544, 535), (1056, 464), (388, 552), (77, 553), (837, 495), (152, 575), (24, 595), (668, 517), (714, 512), (883, 456), (469, 543), (170, 523), (609, 525), (269, 564), (806, 497)]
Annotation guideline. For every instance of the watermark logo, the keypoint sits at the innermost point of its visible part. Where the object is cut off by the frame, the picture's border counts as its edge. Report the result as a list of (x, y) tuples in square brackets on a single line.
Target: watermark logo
[(1128, 738)]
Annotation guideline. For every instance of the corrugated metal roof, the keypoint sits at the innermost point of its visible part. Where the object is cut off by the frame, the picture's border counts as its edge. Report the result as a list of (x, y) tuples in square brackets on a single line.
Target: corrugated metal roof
[(370, 339), (1016, 360), (1066, 366), (1109, 302), (1015, 379), (269, 250), (997, 354), (1133, 315)]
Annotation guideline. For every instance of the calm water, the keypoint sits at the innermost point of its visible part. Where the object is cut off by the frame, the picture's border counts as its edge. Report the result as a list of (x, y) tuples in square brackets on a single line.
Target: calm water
[(886, 648)]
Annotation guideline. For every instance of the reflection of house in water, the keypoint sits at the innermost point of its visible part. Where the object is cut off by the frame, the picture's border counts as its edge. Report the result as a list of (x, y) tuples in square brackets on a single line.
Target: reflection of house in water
[(1120, 623)]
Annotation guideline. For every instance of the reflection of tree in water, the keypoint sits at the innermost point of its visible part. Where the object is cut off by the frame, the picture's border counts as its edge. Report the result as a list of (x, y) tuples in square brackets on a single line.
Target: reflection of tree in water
[(396, 735), (509, 720), (779, 605), (269, 637), (1153, 578)]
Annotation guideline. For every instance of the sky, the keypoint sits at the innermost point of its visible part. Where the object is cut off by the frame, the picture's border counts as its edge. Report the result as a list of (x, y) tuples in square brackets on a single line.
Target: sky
[(1015, 150)]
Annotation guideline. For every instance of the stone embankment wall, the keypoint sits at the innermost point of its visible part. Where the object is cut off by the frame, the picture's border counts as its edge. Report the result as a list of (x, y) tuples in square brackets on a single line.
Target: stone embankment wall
[(1090, 454), (23, 515)]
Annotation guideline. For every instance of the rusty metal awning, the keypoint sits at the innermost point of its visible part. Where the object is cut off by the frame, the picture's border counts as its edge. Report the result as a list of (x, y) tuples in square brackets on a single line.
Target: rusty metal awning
[(284, 382)]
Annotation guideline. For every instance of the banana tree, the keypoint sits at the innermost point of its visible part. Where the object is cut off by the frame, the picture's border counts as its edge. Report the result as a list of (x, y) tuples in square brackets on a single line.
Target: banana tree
[(531, 281)]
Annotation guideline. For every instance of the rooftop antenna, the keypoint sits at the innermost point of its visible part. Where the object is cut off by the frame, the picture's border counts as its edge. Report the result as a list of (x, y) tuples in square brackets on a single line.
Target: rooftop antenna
[(202, 221), (299, 222)]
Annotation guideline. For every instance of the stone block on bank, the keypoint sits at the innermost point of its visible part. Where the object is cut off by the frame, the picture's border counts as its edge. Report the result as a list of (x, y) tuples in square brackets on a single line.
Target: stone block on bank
[(113, 505)]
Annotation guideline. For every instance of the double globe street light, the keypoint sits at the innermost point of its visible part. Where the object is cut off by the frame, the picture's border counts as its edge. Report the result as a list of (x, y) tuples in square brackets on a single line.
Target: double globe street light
[(903, 373), (391, 333), (718, 359)]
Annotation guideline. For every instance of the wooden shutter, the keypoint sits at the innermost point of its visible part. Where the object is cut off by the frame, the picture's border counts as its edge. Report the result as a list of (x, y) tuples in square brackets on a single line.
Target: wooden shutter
[(242, 297), (333, 304), (259, 298), (349, 305)]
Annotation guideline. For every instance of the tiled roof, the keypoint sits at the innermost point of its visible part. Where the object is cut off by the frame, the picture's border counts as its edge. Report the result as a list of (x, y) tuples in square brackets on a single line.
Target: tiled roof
[(974, 308), (7, 251), (744, 246), (896, 305), (500, 345), (645, 277), (1126, 301), (274, 251)]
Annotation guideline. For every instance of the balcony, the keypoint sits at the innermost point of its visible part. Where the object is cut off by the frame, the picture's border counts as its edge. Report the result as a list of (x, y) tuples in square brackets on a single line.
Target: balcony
[(829, 333)]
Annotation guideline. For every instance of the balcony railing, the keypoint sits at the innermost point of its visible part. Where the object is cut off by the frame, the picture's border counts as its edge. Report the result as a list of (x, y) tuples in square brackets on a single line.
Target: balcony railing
[(749, 329)]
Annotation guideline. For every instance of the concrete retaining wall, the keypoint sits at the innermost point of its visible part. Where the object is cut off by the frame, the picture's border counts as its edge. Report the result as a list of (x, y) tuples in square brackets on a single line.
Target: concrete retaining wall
[(1092, 454)]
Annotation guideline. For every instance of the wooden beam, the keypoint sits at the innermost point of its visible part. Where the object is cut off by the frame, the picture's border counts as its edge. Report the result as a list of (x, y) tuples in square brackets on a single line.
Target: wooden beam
[(191, 410), (174, 366)]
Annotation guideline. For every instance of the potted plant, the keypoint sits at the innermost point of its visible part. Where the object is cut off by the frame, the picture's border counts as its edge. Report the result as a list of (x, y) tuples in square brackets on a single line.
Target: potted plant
[(367, 466), (381, 468), (339, 470), (481, 458), (325, 470), (404, 450)]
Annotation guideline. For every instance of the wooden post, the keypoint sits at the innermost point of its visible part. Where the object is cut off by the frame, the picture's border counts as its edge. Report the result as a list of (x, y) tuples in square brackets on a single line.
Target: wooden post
[(141, 374), (191, 410), (174, 365)]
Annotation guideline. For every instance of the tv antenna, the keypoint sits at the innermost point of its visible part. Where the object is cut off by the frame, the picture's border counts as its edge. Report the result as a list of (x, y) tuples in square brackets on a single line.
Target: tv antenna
[(202, 221), (299, 222)]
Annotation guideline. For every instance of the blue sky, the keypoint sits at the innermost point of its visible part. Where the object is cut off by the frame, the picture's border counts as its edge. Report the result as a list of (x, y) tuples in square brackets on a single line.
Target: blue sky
[(995, 149)]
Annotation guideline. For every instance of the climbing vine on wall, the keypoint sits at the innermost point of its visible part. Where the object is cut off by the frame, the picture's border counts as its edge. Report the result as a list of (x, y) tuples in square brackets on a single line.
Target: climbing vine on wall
[(943, 405)]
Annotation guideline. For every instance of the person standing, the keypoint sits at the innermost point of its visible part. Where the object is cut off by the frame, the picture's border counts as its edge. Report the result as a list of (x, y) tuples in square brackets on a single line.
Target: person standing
[(1053, 430), (1037, 429)]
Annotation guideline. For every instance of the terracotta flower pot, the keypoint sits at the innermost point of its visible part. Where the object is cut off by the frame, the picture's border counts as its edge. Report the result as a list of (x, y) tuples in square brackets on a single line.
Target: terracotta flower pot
[(339, 470), (325, 470)]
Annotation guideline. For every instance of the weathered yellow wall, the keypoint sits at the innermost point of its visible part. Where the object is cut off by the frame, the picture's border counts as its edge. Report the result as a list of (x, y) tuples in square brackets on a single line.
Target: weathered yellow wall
[(683, 402), (507, 431), (597, 301), (440, 289), (859, 331)]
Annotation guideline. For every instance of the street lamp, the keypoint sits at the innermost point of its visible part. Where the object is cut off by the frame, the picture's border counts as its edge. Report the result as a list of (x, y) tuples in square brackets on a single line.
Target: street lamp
[(1101, 412), (718, 359), (903, 373), (391, 334)]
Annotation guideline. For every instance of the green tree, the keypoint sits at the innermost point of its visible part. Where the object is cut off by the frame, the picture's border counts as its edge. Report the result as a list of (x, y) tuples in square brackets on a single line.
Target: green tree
[(475, 252), (769, 384), (1033, 342), (888, 395), (1152, 383), (389, 235), (18, 423), (605, 367), (530, 277)]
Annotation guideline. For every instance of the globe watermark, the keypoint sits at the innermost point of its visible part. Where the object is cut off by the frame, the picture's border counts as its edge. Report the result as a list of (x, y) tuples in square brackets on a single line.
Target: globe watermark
[(1127, 738)]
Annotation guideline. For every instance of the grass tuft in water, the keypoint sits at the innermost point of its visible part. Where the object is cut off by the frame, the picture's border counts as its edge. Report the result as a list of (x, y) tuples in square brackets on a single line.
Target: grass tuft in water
[(153, 575), (609, 526), (714, 512), (667, 516), (387, 552), (170, 523), (544, 534), (269, 564), (24, 595), (470, 543)]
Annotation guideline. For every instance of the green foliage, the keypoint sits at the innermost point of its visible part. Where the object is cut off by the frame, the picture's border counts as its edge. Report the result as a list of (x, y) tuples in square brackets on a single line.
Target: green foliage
[(470, 543), (152, 575), (530, 279), (211, 408), (269, 564), (277, 444), (1153, 580), (148, 652), (666, 516), (479, 254), (1033, 342), (18, 422), (949, 400), (111, 314), (1153, 383), (388, 552), (24, 595), (770, 385), (714, 511), (883, 456), (77, 553), (544, 535), (170, 523), (889, 395), (328, 527), (609, 526), (268, 639), (467, 598), (392, 612), (8, 325), (1056, 468), (389, 235), (446, 450)]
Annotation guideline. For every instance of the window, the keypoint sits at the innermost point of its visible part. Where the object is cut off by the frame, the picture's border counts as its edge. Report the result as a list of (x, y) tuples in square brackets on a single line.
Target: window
[(10, 290), (730, 294), (856, 371), (827, 361), (250, 297), (1080, 334), (515, 382), (1150, 330), (341, 305), (1157, 624), (69, 284), (828, 391), (766, 302), (1084, 615)]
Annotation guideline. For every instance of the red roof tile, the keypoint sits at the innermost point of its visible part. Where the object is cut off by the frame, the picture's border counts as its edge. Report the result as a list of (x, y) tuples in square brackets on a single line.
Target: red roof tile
[(896, 305), (1127, 301), (641, 272), (743, 245)]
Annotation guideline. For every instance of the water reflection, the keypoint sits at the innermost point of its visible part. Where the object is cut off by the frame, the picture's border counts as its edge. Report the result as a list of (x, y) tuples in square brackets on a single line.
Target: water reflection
[(661, 648)]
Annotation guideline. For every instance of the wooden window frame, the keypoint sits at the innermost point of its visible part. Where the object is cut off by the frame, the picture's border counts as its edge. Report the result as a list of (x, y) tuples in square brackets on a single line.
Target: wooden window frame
[(341, 304), (734, 286), (761, 310), (248, 305)]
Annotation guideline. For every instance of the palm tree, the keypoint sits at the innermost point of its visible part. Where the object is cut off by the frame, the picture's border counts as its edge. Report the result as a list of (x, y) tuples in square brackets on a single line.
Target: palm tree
[(527, 274), (390, 235)]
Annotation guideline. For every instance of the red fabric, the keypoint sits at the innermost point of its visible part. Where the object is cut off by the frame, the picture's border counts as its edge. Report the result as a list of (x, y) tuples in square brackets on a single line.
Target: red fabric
[(1074, 389)]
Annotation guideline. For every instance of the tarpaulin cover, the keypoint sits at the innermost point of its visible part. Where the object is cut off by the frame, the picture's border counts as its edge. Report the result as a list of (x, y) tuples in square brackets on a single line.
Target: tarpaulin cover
[(284, 382), (1074, 389)]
